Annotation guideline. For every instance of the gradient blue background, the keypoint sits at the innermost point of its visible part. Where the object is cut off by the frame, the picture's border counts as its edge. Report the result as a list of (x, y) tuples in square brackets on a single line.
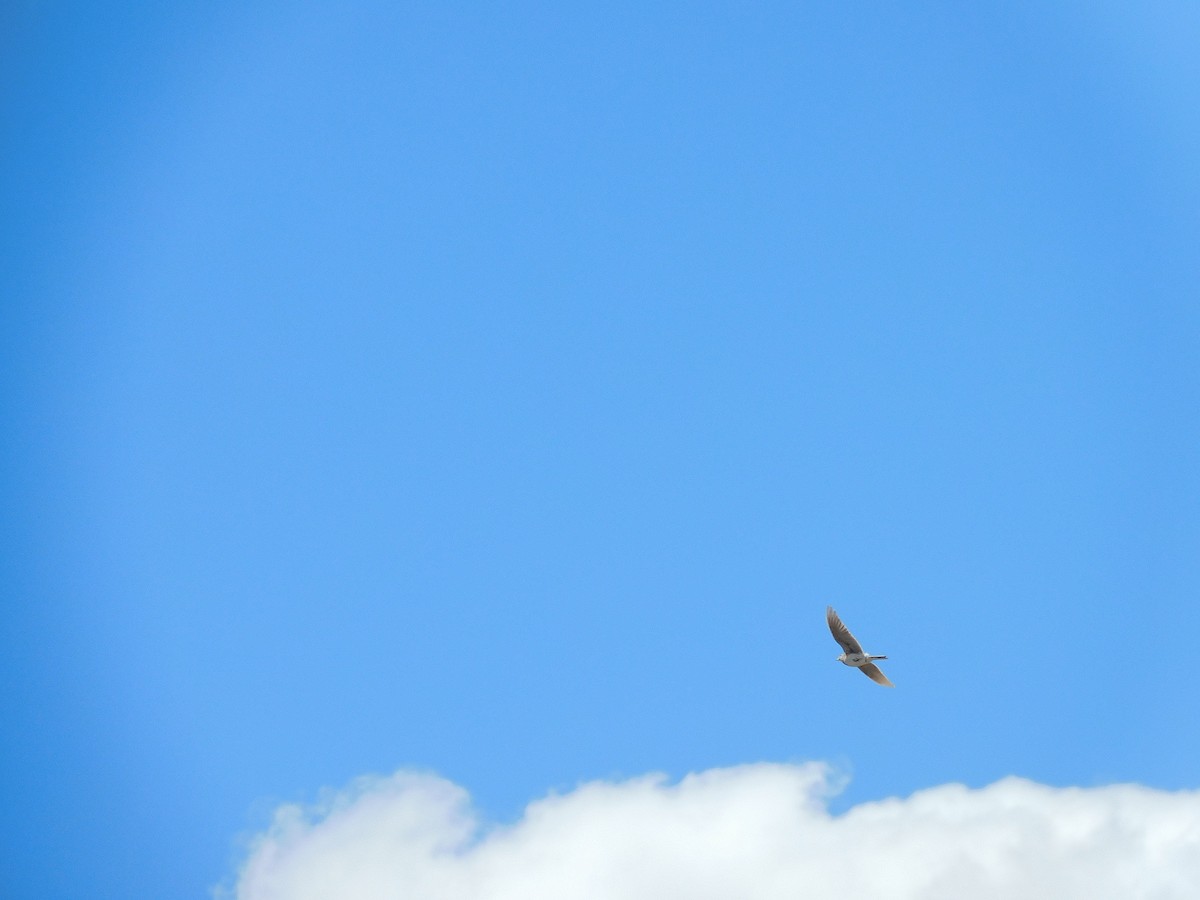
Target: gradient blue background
[(504, 391)]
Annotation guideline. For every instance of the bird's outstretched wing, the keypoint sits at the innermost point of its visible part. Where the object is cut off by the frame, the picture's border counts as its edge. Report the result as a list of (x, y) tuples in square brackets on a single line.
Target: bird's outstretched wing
[(841, 633), (873, 672)]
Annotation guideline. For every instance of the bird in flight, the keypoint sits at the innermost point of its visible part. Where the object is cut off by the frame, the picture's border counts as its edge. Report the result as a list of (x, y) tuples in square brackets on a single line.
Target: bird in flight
[(853, 655)]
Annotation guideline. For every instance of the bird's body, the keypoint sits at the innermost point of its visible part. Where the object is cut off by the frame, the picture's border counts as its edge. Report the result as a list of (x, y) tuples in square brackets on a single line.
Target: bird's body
[(853, 654)]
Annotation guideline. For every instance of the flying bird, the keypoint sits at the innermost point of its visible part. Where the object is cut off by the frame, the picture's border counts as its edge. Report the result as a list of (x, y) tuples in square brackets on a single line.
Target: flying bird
[(854, 655)]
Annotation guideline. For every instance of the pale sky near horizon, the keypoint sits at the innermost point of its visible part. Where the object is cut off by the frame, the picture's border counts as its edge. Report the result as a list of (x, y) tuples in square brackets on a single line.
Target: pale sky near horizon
[(504, 392)]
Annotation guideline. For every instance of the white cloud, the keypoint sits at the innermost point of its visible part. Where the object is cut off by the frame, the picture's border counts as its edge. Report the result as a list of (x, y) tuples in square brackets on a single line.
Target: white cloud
[(750, 832)]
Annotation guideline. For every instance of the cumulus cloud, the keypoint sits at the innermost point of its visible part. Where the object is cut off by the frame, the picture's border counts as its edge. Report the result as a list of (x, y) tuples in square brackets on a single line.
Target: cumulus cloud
[(755, 831)]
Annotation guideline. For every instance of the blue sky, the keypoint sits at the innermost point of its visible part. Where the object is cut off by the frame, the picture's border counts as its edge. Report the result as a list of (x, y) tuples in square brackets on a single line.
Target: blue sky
[(503, 392)]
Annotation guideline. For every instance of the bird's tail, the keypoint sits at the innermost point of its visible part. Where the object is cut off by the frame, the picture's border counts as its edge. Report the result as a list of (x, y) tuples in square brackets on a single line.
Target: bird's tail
[(876, 657)]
